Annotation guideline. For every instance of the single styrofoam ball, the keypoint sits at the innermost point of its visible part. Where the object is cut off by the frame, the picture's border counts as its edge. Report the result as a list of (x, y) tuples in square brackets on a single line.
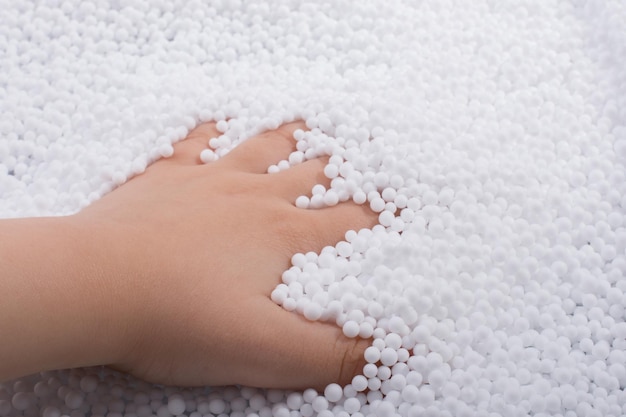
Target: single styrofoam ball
[(333, 392), (370, 370), (352, 405), (393, 341), (294, 400), (319, 404), (359, 382), (372, 354), (208, 156), (351, 329), (74, 399), (51, 411)]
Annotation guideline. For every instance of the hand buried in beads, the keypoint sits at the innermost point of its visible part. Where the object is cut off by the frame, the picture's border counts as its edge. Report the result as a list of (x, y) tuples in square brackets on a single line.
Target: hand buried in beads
[(169, 275)]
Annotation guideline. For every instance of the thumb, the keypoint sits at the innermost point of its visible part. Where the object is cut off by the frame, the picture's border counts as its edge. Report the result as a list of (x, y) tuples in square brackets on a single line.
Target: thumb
[(295, 353)]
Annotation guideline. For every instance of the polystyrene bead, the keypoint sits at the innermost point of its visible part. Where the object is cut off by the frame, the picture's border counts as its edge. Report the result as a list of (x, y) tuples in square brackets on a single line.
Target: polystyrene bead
[(176, 405), (388, 194), (166, 150), (374, 383), (384, 372), (381, 179), (331, 171), (302, 202), (359, 197), (344, 249), (372, 354), (217, 406), (370, 370), (351, 329), (333, 392), (313, 311), (331, 198), (410, 393), (296, 158), (388, 356), (403, 355), (283, 165), (318, 189), (377, 205), (21, 401), (393, 341), (74, 399), (89, 383), (221, 126), (273, 169), (386, 218), (319, 404), (294, 400), (366, 330), (359, 382), (352, 405), (317, 201), (208, 156), (50, 411)]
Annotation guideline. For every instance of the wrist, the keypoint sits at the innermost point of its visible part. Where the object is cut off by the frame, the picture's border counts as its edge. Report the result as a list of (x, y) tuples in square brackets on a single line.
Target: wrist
[(58, 304), (101, 291)]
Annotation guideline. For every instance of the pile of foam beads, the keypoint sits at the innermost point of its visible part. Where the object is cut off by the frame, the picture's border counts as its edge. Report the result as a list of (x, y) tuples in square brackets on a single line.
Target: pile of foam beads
[(490, 136)]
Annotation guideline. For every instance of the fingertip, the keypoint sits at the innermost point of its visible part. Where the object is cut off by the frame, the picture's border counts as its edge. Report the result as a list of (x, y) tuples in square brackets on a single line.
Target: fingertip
[(331, 223), (205, 130)]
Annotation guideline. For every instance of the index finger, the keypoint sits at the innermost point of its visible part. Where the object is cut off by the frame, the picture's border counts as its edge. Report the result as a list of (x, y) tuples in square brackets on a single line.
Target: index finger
[(256, 154)]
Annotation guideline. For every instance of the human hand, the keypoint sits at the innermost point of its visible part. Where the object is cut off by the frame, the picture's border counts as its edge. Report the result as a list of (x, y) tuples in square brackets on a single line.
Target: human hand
[(191, 253)]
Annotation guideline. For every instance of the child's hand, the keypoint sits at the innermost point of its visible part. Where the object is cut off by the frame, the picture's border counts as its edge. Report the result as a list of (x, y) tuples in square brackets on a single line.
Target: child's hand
[(191, 253)]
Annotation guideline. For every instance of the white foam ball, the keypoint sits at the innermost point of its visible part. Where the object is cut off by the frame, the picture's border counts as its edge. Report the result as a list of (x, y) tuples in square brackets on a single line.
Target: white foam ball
[(21, 401), (74, 399), (359, 382), (352, 405), (410, 393), (89, 383), (319, 404), (295, 401), (331, 171), (217, 406), (359, 197), (331, 198), (344, 249), (176, 404), (312, 311), (393, 341), (51, 411), (333, 392), (351, 329)]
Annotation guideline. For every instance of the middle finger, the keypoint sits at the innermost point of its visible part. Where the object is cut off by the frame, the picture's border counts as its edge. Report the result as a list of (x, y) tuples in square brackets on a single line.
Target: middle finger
[(300, 179)]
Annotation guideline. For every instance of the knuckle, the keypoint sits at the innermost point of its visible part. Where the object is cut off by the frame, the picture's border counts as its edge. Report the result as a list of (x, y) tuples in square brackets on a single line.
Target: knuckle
[(352, 361), (292, 234)]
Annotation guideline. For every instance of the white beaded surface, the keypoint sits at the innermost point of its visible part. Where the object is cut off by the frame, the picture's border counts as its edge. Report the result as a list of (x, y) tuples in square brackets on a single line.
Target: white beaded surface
[(489, 135)]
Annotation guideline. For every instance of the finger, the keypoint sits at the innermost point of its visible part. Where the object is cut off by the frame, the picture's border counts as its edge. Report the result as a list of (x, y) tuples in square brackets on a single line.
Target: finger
[(299, 179), (187, 151), (294, 353), (256, 154), (328, 226)]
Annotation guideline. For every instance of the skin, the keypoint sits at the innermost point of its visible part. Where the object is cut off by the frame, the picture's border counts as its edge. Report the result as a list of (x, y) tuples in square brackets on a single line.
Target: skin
[(168, 277)]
